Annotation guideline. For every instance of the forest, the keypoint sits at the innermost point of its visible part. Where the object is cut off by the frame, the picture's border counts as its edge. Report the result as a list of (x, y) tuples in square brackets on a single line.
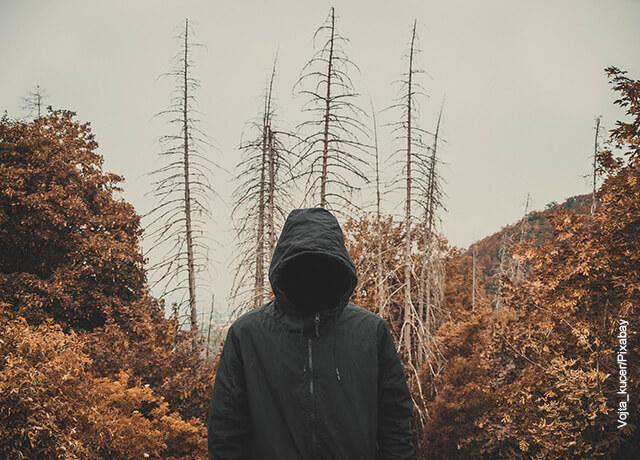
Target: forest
[(523, 345)]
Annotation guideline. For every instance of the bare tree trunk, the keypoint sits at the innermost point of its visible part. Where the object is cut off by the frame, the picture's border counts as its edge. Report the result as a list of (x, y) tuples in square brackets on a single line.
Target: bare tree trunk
[(266, 203), (209, 329), (593, 210), (325, 151), (473, 275), (380, 290), (407, 219), (187, 193), (595, 166), (425, 307), (259, 264), (423, 293), (34, 101), (502, 269), (183, 192), (523, 224), (272, 177), (433, 189), (271, 198), (330, 141), (520, 270), (39, 101)]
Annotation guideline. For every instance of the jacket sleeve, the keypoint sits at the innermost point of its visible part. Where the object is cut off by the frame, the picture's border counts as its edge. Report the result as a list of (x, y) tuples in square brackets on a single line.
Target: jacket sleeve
[(229, 425), (395, 407)]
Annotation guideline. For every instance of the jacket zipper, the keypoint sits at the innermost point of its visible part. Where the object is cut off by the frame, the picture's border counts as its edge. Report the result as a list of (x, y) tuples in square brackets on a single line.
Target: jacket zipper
[(313, 402)]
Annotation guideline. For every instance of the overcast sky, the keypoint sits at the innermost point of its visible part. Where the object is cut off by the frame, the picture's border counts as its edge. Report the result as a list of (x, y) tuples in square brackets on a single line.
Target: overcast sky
[(523, 82)]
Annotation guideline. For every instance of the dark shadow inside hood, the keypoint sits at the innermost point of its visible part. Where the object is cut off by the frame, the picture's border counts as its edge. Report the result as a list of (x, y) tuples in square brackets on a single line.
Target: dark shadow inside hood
[(314, 282), (311, 269)]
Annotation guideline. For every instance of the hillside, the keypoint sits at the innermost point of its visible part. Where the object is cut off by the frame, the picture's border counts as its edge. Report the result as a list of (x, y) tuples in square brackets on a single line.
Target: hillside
[(537, 229)]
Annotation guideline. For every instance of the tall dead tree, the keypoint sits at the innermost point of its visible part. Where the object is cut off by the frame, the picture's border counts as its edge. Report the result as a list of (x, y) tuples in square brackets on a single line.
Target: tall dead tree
[(211, 309), (380, 285), (420, 184), (414, 153), (183, 189), (262, 202), (595, 168), (431, 309), (332, 147), (434, 194), (34, 102), (473, 276)]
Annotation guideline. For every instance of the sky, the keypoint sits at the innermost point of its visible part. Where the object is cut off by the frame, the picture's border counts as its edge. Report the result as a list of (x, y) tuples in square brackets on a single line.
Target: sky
[(522, 83)]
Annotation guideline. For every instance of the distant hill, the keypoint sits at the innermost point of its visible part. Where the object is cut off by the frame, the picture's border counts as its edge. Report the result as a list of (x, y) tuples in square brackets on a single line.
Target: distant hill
[(535, 226)]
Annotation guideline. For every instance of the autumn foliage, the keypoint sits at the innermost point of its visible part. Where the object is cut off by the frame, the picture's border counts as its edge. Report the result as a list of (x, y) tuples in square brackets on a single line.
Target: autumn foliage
[(539, 378), (90, 367)]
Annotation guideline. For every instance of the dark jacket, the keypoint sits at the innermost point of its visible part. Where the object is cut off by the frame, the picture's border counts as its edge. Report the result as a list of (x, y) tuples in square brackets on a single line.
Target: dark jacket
[(310, 375)]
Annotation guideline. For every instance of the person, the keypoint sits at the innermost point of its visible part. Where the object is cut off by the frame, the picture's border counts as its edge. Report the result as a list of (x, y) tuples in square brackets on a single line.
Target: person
[(309, 375)]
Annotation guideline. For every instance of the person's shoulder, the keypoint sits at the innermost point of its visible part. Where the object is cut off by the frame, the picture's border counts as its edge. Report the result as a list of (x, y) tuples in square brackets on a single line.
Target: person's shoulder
[(358, 311), (368, 318), (250, 318), (366, 321)]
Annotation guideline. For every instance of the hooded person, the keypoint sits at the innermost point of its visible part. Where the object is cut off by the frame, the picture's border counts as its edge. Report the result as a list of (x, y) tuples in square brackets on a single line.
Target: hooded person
[(309, 375)]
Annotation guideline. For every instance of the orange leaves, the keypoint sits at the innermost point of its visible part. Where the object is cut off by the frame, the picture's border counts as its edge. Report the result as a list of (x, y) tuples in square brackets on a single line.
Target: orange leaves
[(524, 447), (88, 360), (63, 222), (549, 363), (53, 402), (572, 401)]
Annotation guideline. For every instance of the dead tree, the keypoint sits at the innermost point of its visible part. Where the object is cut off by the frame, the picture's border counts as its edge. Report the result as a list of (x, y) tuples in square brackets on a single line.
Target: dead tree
[(414, 153), (261, 204), (511, 269), (520, 269), (210, 325), (34, 102), (380, 285), (503, 267), (434, 194), (431, 309), (332, 139), (595, 171), (415, 160), (183, 189), (474, 283)]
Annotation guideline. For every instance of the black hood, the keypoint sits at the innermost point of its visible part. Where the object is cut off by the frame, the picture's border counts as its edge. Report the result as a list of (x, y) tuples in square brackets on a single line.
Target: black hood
[(311, 270)]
